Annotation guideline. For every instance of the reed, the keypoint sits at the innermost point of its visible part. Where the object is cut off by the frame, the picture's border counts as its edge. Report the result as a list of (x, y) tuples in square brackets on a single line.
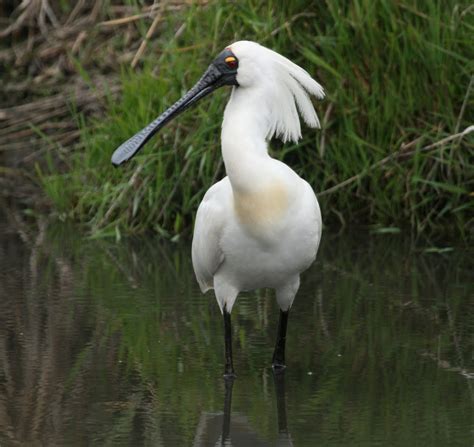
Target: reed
[(398, 77)]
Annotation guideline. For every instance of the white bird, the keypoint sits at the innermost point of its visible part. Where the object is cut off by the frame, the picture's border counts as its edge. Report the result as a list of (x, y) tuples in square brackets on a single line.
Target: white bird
[(260, 226)]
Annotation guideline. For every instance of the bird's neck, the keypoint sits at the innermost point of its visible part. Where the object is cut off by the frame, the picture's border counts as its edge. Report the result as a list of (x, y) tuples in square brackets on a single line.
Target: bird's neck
[(244, 145), (260, 191)]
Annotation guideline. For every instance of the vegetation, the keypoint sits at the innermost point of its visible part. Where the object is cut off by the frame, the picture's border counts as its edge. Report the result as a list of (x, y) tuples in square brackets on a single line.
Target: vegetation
[(398, 77)]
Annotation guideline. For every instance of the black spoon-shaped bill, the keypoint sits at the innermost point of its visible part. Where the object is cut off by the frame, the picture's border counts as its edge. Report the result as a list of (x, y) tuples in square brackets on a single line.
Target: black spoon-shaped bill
[(218, 74), (130, 148)]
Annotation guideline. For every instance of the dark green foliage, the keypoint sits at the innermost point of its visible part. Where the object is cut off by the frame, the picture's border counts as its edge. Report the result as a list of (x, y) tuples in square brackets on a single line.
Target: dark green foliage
[(395, 73)]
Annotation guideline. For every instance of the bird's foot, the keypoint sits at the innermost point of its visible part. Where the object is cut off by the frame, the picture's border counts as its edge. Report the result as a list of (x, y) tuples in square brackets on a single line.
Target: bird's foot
[(229, 376), (278, 367)]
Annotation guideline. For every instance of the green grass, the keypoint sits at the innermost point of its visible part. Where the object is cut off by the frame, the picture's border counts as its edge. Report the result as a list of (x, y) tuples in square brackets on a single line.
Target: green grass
[(394, 73)]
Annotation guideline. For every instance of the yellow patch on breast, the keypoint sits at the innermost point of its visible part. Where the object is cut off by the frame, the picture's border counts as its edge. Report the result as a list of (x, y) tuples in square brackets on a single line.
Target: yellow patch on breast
[(262, 207)]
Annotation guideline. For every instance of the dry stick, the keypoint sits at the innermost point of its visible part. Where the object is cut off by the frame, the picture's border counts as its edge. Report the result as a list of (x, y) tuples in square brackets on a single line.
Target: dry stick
[(50, 101), (82, 95), (399, 153), (322, 144), (20, 124), (464, 103), (124, 20), (42, 22), (15, 172), (18, 23), (149, 33), (50, 13), (77, 9), (64, 139), (96, 10), (30, 131), (180, 30), (78, 42), (14, 120)]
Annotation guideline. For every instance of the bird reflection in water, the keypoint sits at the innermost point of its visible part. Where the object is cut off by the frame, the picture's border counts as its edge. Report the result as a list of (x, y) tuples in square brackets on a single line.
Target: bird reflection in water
[(225, 429)]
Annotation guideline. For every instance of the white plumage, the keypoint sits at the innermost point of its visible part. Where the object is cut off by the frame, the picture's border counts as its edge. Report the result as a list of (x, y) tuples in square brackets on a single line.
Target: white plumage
[(261, 225)]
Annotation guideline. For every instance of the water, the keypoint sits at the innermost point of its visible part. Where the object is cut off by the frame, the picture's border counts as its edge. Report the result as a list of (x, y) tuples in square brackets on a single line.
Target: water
[(113, 344)]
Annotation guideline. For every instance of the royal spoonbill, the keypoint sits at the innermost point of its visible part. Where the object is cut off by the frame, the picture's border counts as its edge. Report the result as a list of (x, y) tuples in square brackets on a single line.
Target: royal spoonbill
[(260, 226)]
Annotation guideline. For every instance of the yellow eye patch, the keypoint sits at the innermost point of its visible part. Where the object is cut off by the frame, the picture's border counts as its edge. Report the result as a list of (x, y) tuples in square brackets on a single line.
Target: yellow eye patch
[(231, 61)]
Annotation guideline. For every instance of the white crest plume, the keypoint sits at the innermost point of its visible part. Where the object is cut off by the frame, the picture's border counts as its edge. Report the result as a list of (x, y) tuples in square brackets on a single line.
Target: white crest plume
[(288, 90)]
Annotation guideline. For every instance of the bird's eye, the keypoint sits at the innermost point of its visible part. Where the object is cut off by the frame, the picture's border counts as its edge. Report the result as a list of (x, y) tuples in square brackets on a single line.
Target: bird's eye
[(231, 61)]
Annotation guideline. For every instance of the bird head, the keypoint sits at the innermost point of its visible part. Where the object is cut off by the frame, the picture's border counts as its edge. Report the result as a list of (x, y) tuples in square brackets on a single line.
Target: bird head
[(245, 65), (283, 89)]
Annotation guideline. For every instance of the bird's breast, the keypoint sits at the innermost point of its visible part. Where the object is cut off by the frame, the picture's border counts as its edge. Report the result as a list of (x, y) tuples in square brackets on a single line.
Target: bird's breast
[(257, 210)]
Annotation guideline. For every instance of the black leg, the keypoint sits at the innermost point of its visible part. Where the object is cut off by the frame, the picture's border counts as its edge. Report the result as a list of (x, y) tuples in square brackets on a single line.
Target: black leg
[(278, 361), (279, 379), (229, 383), (229, 366)]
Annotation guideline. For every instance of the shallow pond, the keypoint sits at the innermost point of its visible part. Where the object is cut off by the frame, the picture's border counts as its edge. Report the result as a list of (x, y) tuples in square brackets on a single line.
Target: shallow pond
[(105, 343)]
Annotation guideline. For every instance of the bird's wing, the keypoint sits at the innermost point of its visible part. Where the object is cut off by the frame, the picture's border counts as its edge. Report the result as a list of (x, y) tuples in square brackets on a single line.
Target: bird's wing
[(210, 221)]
